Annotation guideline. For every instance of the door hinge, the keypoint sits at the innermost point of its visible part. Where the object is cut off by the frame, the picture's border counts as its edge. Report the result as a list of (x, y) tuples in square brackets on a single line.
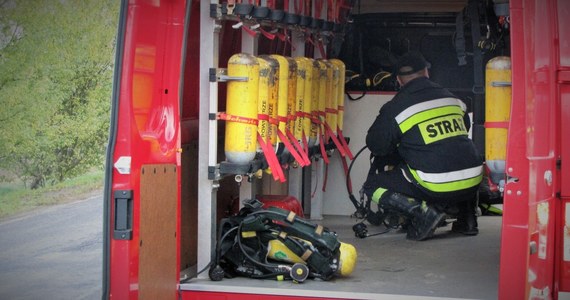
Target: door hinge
[(559, 164)]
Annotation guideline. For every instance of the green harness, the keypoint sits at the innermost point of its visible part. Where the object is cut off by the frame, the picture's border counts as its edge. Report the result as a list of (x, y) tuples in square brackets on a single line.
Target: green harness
[(243, 250)]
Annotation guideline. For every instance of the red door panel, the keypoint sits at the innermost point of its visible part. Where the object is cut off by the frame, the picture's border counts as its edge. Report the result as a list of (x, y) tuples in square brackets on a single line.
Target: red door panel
[(145, 138), (529, 224), (563, 225)]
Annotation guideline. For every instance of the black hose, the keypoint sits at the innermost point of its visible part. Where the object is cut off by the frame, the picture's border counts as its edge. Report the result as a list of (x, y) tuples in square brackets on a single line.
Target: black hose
[(265, 276), (357, 206), (270, 266)]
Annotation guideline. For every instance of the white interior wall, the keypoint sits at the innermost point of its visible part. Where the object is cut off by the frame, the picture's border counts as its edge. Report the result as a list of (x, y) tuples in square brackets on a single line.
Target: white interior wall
[(358, 116)]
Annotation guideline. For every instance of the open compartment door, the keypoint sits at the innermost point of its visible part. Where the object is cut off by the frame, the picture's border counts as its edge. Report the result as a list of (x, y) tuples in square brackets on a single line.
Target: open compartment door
[(142, 185), (530, 205), (563, 80)]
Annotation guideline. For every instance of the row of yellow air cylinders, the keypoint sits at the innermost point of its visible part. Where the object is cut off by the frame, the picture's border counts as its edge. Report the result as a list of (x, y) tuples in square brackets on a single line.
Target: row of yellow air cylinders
[(285, 104)]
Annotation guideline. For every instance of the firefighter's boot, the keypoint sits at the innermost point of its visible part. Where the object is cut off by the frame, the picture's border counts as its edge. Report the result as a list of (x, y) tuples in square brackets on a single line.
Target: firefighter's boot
[(424, 219), (466, 219)]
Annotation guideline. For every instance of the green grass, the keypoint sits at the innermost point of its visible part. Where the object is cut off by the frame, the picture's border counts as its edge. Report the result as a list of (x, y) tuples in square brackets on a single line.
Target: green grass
[(15, 198)]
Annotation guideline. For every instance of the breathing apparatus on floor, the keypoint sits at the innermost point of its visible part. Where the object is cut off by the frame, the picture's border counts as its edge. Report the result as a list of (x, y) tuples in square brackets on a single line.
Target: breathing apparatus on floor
[(277, 244)]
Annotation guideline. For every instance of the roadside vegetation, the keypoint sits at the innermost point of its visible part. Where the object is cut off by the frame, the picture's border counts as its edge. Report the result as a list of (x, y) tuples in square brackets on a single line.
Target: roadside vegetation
[(56, 68), (15, 198)]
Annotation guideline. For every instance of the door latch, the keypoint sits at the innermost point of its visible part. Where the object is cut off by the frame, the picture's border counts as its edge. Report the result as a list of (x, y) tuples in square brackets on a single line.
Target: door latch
[(123, 227)]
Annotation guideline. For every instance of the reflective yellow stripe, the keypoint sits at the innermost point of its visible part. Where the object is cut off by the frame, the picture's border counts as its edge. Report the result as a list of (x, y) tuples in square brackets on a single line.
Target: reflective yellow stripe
[(420, 117), (450, 176), (427, 105), (377, 194), (453, 180)]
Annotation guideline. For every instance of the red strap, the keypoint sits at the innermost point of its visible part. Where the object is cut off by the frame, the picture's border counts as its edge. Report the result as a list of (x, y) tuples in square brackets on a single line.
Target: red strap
[(335, 140), (318, 8), (262, 117), (322, 50), (309, 39), (290, 147), (306, 143), (267, 34), (339, 4), (348, 180), (315, 119), (271, 4), (330, 10), (326, 177), (496, 124), (271, 158), (298, 6), (236, 119), (249, 31), (288, 39), (298, 147), (344, 144), (331, 111), (281, 36), (322, 146)]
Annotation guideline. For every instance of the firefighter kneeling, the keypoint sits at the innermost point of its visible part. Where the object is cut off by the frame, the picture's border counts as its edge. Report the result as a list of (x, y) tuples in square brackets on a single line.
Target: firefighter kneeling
[(277, 244), (422, 133)]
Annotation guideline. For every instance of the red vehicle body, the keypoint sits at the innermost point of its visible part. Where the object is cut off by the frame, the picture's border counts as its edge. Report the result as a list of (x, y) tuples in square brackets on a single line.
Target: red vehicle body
[(161, 147)]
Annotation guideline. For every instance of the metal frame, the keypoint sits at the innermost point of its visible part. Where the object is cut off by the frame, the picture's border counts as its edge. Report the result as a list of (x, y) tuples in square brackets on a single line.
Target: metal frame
[(208, 130)]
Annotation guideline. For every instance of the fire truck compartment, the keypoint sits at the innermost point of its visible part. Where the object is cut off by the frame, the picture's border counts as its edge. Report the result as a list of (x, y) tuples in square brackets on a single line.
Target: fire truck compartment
[(449, 265)]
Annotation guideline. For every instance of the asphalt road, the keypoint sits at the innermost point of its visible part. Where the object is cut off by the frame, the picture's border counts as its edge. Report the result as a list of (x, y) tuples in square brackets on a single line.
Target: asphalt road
[(53, 253)]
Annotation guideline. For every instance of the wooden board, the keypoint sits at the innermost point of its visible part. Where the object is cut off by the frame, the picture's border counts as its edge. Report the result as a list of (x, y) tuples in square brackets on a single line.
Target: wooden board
[(158, 276)]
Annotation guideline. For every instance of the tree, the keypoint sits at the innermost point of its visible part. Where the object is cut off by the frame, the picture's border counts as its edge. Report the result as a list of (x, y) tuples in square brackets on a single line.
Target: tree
[(55, 86)]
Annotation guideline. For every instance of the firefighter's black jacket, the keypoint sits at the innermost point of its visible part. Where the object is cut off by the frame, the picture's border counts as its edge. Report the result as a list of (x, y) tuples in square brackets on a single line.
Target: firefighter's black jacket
[(427, 126)]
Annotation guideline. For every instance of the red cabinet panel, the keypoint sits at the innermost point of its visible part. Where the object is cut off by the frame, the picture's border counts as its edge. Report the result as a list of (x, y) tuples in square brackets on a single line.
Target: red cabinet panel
[(565, 138)]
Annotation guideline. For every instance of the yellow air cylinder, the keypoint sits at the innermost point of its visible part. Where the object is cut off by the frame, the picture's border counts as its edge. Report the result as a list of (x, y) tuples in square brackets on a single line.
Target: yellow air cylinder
[(315, 101), (305, 107), (292, 92), (322, 93), (299, 99), (285, 72), (278, 251), (273, 93), (241, 109), (340, 92), (332, 97), (497, 114), (300, 96), (263, 100)]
